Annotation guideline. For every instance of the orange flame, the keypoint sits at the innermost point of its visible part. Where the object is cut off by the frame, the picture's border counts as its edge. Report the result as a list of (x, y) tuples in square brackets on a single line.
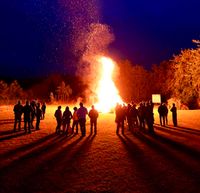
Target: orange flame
[(107, 93)]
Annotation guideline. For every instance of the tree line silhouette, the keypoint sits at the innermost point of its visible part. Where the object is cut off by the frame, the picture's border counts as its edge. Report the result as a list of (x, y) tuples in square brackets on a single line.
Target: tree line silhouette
[(176, 78)]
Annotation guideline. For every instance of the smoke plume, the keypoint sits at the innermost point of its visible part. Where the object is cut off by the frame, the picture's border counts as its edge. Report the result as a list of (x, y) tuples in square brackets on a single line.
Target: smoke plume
[(89, 37)]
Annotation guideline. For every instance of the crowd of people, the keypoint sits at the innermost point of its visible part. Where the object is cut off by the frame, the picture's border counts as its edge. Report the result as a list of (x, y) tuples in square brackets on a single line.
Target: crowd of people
[(135, 117), (142, 116), (79, 119), (31, 111)]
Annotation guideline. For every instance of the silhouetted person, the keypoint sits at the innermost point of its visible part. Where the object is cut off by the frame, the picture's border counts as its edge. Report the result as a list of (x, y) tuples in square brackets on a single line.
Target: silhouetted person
[(75, 120), (66, 119), (124, 107), (141, 115), (134, 113), (38, 114), (119, 118), (33, 109), (149, 116), (161, 111), (93, 114), (18, 110), (174, 115), (129, 117), (151, 104), (82, 112), (27, 110), (58, 116), (43, 110), (165, 109)]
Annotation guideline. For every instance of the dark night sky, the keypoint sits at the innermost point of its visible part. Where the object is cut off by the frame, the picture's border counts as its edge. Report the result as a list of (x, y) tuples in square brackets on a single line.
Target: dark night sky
[(34, 35)]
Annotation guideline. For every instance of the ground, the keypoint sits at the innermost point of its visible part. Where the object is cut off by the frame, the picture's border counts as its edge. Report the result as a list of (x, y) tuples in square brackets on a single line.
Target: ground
[(134, 162)]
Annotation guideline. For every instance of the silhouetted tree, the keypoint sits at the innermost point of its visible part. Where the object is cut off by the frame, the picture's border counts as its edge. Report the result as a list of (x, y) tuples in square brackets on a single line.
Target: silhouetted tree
[(134, 82), (15, 91), (185, 82), (3, 90), (63, 91), (160, 76)]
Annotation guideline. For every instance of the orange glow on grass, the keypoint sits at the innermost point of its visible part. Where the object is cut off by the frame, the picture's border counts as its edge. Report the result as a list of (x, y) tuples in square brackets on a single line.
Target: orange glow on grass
[(107, 93)]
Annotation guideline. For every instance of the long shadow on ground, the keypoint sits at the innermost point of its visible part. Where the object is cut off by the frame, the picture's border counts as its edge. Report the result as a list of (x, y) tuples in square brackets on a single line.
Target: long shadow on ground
[(181, 146), (148, 172), (16, 134), (34, 164), (61, 164), (6, 121), (8, 132), (166, 150), (178, 129), (180, 172), (37, 151), (13, 135), (30, 145)]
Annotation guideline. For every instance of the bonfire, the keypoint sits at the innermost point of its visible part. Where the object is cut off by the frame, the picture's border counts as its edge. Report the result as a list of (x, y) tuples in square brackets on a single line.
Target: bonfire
[(107, 93)]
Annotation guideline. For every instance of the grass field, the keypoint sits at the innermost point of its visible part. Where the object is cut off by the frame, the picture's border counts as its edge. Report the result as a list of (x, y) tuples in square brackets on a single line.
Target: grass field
[(134, 162), (186, 118)]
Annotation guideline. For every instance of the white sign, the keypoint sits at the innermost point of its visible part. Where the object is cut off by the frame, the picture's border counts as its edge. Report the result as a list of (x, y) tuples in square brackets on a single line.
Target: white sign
[(156, 98)]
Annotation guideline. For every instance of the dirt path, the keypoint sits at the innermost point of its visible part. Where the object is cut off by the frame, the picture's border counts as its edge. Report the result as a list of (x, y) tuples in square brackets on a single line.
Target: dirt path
[(133, 162)]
